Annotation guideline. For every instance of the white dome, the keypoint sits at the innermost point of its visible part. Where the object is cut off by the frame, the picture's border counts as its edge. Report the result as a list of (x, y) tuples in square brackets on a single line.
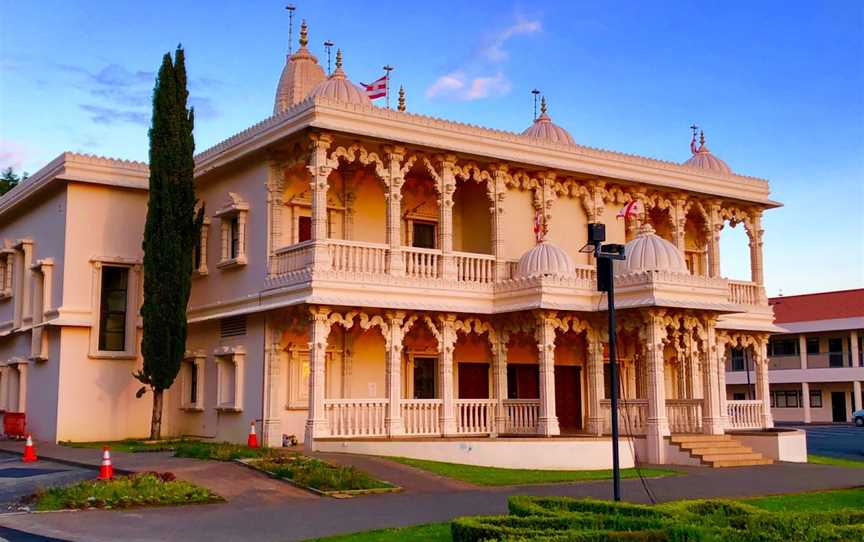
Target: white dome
[(703, 159), (546, 130), (300, 74), (337, 87), (650, 252), (545, 259)]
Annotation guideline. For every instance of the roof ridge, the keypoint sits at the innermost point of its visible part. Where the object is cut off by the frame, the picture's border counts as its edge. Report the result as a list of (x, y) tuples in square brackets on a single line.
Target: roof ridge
[(780, 297)]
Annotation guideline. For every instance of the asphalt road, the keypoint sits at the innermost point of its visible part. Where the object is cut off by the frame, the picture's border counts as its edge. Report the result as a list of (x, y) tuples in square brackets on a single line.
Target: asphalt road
[(19, 479), (845, 441)]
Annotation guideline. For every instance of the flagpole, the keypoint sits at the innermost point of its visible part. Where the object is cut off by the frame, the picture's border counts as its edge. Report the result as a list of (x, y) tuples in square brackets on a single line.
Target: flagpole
[(387, 69)]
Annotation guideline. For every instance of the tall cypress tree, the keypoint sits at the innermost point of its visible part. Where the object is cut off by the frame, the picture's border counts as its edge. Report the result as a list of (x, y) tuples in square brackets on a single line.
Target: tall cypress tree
[(169, 234)]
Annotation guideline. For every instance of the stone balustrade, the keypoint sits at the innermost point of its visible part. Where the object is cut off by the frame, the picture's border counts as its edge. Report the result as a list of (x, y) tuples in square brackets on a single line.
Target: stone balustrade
[(745, 414)]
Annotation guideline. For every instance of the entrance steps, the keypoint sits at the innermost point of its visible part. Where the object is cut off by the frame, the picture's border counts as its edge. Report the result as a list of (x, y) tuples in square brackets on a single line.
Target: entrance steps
[(718, 450)]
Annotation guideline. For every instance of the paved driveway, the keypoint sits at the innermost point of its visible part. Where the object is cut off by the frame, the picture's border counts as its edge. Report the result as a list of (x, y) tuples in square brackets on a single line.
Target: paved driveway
[(19, 479), (846, 441)]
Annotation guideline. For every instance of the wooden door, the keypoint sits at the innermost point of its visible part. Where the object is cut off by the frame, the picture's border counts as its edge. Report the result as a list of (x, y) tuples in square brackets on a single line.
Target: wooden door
[(838, 406), (473, 380), (568, 397)]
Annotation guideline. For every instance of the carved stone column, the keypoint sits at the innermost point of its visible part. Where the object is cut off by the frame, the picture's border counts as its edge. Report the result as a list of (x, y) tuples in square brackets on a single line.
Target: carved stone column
[(446, 344), (722, 358), (595, 384), (755, 233), (679, 223), (653, 335), (499, 379), (715, 227), (393, 344), (319, 170), (446, 189), (395, 180), (499, 175), (274, 205), (545, 335), (271, 425), (22, 386), (712, 421), (763, 391), (319, 330)]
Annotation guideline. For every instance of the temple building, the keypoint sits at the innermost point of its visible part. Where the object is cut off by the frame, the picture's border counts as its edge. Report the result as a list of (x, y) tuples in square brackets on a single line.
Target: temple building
[(380, 281)]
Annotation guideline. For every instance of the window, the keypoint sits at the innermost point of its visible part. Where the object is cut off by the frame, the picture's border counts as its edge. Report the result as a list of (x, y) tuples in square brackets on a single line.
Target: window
[(523, 381), (835, 352), (304, 228), (738, 359), (783, 347), (233, 219), (7, 256), (423, 235), (192, 381), (786, 399), (424, 378), (812, 345), (112, 308), (815, 399), (199, 254), (42, 303), (229, 378), (739, 396)]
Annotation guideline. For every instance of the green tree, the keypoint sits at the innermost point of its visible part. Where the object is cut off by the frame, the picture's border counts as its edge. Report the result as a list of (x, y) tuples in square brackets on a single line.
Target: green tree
[(169, 234), (9, 180)]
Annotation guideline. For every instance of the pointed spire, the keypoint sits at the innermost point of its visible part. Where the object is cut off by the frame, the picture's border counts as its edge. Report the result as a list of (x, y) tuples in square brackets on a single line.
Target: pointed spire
[(543, 105), (702, 147), (401, 105), (304, 34)]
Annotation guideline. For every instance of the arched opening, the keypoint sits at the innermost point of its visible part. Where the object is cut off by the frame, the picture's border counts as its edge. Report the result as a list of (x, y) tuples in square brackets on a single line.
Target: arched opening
[(420, 363), (472, 367), (568, 228), (735, 253), (570, 354), (367, 205), (696, 243), (661, 221), (420, 227), (472, 219)]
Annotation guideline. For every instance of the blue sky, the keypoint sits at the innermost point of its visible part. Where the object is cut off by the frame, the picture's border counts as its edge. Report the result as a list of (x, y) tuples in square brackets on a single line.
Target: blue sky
[(777, 86)]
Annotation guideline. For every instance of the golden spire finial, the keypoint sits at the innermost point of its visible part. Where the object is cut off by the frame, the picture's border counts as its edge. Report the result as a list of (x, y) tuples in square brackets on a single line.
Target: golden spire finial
[(401, 106), (304, 34), (338, 58), (701, 140), (543, 105)]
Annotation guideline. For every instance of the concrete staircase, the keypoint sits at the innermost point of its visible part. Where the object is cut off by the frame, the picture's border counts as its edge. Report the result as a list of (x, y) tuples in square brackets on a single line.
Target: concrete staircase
[(718, 450)]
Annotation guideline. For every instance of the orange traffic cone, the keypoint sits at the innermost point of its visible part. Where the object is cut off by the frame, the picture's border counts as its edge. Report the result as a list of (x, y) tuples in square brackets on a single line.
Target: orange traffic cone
[(29, 451), (106, 471), (252, 441)]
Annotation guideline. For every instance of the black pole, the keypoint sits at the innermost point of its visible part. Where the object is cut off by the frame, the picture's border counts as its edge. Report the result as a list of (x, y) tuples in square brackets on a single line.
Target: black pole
[(613, 377)]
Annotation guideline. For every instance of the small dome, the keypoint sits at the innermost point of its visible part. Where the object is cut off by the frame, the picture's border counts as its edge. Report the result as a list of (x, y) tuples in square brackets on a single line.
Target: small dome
[(703, 159), (650, 252), (300, 74), (545, 259), (337, 87), (546, 130)]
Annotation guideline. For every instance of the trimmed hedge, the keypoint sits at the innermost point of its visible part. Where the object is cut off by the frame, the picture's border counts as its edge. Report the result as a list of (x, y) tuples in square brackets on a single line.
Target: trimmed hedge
[(562, 519)]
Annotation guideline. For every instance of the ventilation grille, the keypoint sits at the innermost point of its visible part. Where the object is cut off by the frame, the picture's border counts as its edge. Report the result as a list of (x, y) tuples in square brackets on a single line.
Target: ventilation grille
[(234, 326)]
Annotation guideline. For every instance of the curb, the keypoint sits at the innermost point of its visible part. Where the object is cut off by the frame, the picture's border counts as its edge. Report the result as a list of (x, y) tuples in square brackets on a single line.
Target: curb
[(73, 463)]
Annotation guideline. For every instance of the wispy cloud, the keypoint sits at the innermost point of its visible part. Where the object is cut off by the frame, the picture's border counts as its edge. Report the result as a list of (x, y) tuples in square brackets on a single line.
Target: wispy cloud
[(110, 115), (481, 75), (12, 154)]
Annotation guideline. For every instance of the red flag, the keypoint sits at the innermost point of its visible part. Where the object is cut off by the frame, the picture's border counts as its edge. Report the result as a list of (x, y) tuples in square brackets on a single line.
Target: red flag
[(376, 89), (630, 210)]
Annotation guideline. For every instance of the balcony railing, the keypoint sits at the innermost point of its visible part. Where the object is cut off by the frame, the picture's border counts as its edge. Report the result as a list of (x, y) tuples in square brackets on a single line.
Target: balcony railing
[(421, 416), (475, 416), (357, 256), (421, 263), (474, 267), (356, 417), (744, 414), (632, 416), (745, 293), (685, 415), (522, 415)]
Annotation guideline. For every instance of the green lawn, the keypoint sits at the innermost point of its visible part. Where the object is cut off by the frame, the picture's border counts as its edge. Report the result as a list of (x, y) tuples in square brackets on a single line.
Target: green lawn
[(316, 474), (825, 460), (440, 532), (145, 489), (493, 476), (128, 445), (195, 449)]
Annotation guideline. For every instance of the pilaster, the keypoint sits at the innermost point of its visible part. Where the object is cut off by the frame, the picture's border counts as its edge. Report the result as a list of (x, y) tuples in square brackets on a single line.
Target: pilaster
[(446, 189), (395, 180), (763, 390), (805, 401), (545, 335), (595, 384), (271, 425), (499, 379), (319, 170), (755, 233), (500, 173), (319, 330), (446, 345), (393, 344), (712, 422), (654, 336)]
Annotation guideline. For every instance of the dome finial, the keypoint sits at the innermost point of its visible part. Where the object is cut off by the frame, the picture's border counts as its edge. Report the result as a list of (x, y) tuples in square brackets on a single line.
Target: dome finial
[(694, 128), (304, 34), (702, 147), (401, 106), (543, 105), (338, 58)]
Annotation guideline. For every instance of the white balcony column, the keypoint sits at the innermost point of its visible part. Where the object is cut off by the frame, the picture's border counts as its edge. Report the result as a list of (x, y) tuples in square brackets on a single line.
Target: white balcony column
[(853, 348), (722, 358), (856, 395), (595, 384), (763, 390), (274, 405), (545, 335), (680, 224), (500, 174), (652, 336), (319, 168), (802, 350), (499, 379), (446, 344), (319, 330), (712, 421), (275, 187), (805, 400), (755, 233), (715, 227), (394, 334), (446, 188), (395, 180)]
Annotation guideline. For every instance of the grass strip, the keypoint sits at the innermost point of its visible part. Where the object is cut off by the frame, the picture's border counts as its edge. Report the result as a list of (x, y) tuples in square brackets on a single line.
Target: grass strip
[(814, 500), (143, 489), (316, 474), (836, 461), (494, 476), (430, 532)]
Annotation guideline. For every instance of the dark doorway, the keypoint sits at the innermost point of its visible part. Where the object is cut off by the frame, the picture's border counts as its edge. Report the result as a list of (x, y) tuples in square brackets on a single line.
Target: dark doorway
[(523, 381), (568, 397), (835, 352), (473, 380), (424, 377), (838, 406)]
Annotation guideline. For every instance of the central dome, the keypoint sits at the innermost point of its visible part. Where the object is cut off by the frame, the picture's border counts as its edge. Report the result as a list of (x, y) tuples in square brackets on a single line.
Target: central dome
[(545, 259), (546, 130), (650, 252), (300, 74), (338, 88), (703, 159)]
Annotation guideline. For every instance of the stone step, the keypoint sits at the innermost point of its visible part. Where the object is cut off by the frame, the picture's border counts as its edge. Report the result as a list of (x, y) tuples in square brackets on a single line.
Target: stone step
[(696, 444), (728, 450), (740, 463), (713, 458), (679, 439)]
